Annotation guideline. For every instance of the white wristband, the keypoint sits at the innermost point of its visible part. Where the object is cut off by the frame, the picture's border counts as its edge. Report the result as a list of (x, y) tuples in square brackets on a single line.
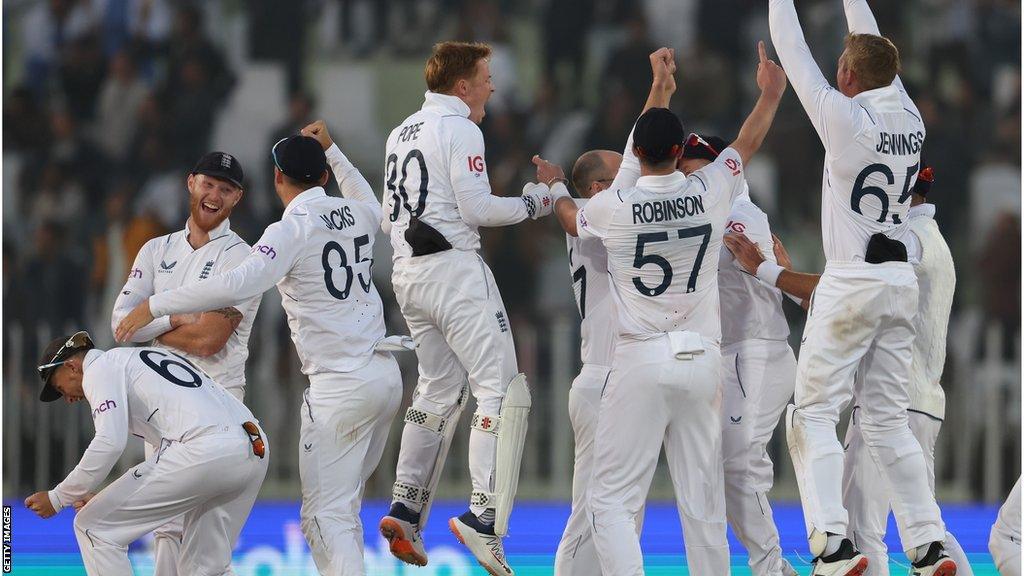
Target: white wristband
[(558, 190), (769, 272)]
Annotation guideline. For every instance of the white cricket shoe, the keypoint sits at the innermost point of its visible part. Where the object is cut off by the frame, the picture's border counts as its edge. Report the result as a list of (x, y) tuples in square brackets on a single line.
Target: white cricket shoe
[(403, 538), (481, 541), (935, 563), (846, 561)]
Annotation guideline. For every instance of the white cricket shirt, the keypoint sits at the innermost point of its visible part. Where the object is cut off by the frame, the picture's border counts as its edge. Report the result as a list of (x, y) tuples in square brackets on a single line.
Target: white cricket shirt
[(169, 262), (319, 255), (588, 269), (872, 142), (751, 309), (663, 238), (435, 171), (153, 393), (936, 281)]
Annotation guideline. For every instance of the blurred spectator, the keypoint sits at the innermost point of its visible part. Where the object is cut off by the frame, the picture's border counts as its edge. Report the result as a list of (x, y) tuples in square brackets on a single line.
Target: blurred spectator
[(78, 154), (47, 29), (999, 267), (82, 70), (274, 27), (24, 115), (190, 48), (192, 108), (626, 69), (56, 282), (120, 101)]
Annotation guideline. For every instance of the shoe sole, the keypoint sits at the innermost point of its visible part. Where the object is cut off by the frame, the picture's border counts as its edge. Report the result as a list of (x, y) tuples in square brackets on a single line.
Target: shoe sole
[(859, 569), (400, 546), (455, 530), (946, 568)]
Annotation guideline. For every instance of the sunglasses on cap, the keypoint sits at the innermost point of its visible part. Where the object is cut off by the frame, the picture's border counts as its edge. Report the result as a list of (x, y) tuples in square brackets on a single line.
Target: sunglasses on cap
[(77, 341), (273, 153), (695, 141)]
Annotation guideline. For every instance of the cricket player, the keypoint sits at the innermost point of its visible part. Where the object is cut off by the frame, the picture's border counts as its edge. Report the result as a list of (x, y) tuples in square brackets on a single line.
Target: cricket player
[(1004, 541), (594, 172), (319, 254), (437, 196), (209, 468), (758, 375), (864, 493), (216, 341), (664, 386), (862, 315)]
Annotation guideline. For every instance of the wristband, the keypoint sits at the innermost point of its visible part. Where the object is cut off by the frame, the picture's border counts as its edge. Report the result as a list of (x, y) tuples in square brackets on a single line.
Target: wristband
[(559, 190), (769, 272)]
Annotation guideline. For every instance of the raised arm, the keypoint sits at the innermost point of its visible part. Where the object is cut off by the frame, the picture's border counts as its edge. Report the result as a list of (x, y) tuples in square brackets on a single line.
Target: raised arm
[(772, 82), (137, 288), (351, 182), (833, 115), (861, 20)]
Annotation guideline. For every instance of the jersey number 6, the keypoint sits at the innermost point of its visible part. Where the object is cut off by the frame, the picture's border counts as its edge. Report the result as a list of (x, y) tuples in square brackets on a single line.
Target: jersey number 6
[(163, 368), (641, 259), (860, 190)]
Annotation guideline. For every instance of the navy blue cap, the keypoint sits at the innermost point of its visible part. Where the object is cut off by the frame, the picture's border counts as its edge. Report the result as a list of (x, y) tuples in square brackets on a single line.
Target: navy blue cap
[(656, 132), (301, 158), (220, 165)]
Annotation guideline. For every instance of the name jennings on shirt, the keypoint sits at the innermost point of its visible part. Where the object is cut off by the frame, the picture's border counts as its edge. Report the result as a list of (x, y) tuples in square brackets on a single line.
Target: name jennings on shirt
[(900, 144), (668, 209)]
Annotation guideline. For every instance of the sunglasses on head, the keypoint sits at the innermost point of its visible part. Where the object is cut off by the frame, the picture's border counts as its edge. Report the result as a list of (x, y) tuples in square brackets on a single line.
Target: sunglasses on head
[(695, 141), (273, 153), (77, 341)]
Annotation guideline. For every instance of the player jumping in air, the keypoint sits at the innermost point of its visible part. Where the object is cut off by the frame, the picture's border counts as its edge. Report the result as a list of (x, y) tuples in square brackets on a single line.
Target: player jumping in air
[(861, 319)]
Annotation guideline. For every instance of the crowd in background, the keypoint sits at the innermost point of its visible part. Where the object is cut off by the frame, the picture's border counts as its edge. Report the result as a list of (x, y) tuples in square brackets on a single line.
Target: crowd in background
[(107, 104)]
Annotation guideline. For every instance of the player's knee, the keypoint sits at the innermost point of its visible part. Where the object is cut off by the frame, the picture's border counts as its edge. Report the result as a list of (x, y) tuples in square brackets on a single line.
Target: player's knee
[(440, 403)]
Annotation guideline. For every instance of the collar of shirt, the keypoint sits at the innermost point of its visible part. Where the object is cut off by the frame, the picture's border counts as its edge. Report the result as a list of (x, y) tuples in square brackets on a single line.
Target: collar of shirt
[(90, 357), (885, 99), (658, 182), (221, 229), (922, 211), (445, 104), (314, 192)]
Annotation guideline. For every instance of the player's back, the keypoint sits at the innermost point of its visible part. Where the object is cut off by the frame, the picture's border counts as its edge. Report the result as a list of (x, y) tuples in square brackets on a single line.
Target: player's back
[(870, 171), (420, 181), (663, 242), (750, 308), (171, 398), (588, 269), (334, 310)]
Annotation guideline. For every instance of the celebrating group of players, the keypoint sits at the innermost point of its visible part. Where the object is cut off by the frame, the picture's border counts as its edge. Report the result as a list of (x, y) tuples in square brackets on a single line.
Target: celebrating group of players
[(679, 283)]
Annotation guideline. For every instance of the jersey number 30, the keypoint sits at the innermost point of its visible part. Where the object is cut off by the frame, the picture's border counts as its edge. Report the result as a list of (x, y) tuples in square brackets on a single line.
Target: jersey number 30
[(399, 195), (641, 259)]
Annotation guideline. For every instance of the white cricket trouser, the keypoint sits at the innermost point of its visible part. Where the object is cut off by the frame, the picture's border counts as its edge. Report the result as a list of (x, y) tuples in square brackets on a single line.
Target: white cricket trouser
[(345, 422), (653, 398), (576, 555), (861, 320), (456, 316), (758, 377), (1004, 541), (865, 497), (167, 538), (211, 481)]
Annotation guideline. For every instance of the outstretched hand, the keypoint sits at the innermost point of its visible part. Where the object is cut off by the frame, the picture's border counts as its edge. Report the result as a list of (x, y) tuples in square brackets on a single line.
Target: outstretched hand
[(746, 253), (546, 171), (771, 78)]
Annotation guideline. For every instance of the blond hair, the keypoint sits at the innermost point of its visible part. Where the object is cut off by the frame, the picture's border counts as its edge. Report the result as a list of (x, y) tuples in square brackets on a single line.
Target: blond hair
[(873, 59), (451, 62)]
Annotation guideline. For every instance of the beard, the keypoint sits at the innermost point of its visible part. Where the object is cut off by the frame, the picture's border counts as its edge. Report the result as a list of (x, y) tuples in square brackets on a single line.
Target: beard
[(204, 218)]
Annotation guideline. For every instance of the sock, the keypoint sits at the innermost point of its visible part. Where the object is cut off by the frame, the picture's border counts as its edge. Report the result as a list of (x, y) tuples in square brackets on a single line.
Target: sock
[(487, 517), (833, 543)]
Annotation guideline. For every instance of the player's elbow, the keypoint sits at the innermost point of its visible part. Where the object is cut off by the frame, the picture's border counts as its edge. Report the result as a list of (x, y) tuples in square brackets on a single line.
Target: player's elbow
[(210, 345)]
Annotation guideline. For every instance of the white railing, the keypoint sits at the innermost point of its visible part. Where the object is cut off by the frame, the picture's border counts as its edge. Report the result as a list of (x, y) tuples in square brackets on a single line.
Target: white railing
[(981, 437)]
